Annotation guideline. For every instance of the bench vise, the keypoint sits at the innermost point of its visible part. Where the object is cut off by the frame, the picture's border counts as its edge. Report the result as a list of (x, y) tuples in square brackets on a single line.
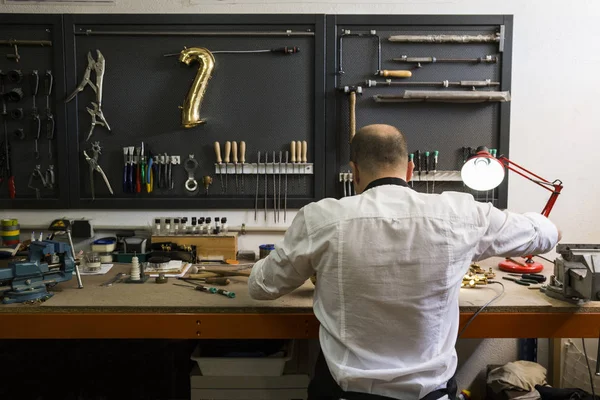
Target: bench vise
[(49, 263), (576, 276)]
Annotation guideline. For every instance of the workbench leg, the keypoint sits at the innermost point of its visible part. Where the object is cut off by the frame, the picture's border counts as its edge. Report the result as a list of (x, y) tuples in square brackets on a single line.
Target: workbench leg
[(554, 361)]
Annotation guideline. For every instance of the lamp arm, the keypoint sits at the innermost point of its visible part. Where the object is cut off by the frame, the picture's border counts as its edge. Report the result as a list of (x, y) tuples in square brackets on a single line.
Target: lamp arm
[(554, 187)]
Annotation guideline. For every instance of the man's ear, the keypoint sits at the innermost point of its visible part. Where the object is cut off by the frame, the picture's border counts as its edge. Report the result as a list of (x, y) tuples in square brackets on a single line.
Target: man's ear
[(355, 173), (409, 171)]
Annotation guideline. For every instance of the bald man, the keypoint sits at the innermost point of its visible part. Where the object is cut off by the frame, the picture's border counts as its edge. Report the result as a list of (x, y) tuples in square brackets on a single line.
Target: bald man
[(389, 263)]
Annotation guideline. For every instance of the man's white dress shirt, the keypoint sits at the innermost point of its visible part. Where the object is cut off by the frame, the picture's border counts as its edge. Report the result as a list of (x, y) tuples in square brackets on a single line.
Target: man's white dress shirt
[(389, 264)]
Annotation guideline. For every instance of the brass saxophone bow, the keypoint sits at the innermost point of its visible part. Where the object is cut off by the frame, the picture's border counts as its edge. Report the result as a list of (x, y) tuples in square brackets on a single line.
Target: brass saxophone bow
[(190, 112)]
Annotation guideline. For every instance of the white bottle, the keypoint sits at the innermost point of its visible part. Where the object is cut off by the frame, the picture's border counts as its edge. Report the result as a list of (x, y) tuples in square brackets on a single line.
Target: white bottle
[(135, 269)]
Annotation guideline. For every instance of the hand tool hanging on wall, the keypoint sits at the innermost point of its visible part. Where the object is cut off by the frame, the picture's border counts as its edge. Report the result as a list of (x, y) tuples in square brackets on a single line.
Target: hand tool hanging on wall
[(432, 60), (143, 167), (266, 182), (95, 166), (445, 83), (50, 125), (426, 159), (352, 91), (242, 161), (96, 113), (234, 150), (256, 193), (226, 160), (497, 37), (138, 183), (191, 164), (293, 159), (281, 50), (150, 173), (50, 179), (36, 176), (285, 191), (279, 188), (15, 76), (432, 96), (14, 95), (128, 164), (299, 158), (434, 167), (14, 43), (220, 164), (304, 161), (395, 73), (348, 34), (36, 121), (9, 176), (274, 191), (206, 181)]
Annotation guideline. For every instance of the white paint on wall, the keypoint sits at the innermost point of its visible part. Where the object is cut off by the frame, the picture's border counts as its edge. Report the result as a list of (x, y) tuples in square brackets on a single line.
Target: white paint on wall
[(554, 117)]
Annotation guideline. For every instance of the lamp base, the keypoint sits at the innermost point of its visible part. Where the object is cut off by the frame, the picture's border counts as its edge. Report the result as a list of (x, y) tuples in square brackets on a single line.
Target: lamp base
[(520, 268)]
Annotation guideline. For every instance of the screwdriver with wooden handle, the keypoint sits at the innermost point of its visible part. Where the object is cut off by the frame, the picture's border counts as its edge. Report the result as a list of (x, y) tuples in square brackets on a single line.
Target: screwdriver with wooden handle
[(220, 163), (215, 281), (243, 161), (395, 73), (234, 150), (304, 160), (293, 159), (226, 160), (299, 157)]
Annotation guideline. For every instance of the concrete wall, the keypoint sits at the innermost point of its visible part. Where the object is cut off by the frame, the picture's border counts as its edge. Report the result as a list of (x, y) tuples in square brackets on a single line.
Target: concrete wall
[(554, 122)]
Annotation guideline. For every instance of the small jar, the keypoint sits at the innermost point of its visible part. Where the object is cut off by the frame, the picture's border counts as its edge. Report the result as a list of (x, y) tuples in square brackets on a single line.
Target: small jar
[(207, 227), (217, 229), (201, 226), (224, 226), (156, 230), (176, 226), (194, 228), (184, 226), (168, 228)]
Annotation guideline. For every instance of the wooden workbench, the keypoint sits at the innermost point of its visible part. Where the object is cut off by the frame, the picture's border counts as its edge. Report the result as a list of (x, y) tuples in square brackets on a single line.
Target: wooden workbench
[(153, 310)]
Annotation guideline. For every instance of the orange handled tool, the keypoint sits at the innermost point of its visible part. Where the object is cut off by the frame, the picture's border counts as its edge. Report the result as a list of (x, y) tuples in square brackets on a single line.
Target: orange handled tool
[(395, 73)]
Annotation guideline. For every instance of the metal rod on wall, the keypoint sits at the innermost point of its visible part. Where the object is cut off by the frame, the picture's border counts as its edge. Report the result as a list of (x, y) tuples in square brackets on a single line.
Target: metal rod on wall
[(90, 32)]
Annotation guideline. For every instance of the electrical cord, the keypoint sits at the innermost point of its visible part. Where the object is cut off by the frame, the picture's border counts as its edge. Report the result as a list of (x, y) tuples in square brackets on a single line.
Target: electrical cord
[(587, 363), (482, 308)]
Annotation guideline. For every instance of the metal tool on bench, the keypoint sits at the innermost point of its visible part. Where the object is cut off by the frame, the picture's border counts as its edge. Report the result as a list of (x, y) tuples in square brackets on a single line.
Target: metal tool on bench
[(48, 263), (94, 166), (576, 277), (98, 66), (64, 226)]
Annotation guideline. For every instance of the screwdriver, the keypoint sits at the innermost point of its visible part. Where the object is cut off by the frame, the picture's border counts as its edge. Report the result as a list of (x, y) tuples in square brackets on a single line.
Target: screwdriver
[(411, 158), (304, 160), (242, 160), (225, 293), (427, 171), (234, 150), (200, 288), (215, 281), (220, 163), (435, 163), (226, 159), (418, 163)]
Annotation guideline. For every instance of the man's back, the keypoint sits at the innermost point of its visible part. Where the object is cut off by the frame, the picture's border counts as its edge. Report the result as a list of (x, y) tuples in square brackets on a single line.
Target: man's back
[(387, 286)]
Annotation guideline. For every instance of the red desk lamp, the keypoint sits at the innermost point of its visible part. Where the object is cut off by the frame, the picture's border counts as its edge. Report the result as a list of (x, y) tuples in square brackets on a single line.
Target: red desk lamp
[(485, 172)]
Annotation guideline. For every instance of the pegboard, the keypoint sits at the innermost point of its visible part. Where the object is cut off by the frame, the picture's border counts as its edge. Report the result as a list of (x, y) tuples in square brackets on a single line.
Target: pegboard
[(52, 154), (445, 127), (264, 99)]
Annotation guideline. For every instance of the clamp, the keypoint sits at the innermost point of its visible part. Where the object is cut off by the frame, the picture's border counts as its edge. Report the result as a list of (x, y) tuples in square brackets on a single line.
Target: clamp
[(191, 164)]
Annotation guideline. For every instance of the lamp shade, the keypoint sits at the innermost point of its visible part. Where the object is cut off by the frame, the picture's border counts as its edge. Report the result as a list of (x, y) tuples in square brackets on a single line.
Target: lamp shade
[(482, 172)]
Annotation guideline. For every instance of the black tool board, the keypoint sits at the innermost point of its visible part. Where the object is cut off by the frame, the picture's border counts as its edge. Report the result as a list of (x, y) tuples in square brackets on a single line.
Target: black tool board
[(23, 160), (445, 127), (267, 100)]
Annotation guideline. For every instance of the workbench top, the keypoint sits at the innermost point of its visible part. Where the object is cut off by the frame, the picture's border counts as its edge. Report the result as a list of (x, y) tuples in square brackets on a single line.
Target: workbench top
[(168, 298)]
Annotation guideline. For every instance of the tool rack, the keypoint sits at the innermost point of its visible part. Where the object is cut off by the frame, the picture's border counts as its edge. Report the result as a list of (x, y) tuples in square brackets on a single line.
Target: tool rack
[(262, 99)]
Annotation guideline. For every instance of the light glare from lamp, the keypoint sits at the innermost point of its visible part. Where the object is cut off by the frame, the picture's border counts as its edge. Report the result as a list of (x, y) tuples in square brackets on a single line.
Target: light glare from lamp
[(482, 173)]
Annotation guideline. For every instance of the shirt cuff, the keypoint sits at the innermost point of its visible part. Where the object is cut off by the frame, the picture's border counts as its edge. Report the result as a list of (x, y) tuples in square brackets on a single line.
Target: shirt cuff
[(547, 232)]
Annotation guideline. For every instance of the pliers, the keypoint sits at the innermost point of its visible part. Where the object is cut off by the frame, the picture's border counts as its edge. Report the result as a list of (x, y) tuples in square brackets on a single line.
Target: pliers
[(94, 166), (99, 68), (95, 112)]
